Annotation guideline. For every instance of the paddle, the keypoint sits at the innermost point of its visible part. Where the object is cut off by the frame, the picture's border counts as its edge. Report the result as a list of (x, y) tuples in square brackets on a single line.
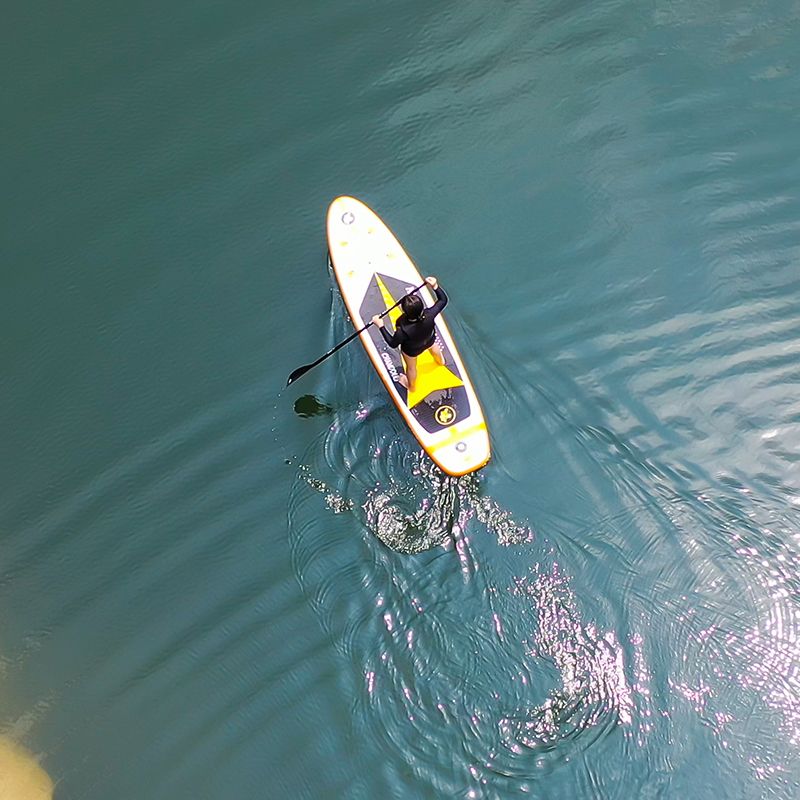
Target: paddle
[(302, 370)]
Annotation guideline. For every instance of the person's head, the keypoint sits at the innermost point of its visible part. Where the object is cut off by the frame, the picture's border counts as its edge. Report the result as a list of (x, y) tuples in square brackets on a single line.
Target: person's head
[(412, 306)]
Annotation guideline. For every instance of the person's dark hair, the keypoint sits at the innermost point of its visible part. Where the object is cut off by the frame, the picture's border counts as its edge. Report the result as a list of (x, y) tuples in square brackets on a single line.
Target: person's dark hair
[(412, 306)]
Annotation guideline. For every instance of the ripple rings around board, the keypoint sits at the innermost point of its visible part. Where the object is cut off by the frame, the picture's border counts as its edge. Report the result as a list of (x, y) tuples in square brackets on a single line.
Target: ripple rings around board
[(415, 665)]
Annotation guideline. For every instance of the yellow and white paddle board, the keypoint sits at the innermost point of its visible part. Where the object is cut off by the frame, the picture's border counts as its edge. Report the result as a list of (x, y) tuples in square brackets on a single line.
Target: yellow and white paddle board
[(374, 272)]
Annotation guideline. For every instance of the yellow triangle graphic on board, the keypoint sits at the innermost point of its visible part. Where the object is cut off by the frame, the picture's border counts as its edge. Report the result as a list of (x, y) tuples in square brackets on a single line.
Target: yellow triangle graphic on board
[(431, 377), (395, 313)]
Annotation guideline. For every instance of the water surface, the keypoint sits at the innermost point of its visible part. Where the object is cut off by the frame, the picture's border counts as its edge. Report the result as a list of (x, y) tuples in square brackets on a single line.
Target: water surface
[(211, 587)]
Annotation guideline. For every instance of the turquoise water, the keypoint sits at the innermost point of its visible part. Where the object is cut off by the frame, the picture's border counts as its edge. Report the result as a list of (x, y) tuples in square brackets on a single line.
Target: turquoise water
[(212, 587)]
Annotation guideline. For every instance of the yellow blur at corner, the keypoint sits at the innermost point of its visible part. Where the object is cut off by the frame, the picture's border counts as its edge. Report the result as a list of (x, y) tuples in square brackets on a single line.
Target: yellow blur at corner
[(431, 377), (21, 776)]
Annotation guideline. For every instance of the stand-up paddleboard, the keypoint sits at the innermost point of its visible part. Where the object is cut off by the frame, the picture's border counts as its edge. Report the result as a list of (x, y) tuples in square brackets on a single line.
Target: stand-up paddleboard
[(374, 272)]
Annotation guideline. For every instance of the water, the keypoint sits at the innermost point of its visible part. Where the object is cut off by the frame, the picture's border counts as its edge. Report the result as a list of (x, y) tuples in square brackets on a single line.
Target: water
[(214, 588)]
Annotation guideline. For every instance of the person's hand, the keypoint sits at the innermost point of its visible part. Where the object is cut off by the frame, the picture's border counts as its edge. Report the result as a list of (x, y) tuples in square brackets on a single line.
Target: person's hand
[(431, 281), (376, 320)]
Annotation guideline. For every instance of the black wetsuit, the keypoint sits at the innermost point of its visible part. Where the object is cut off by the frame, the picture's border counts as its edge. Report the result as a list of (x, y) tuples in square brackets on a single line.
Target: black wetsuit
[(416, 336)]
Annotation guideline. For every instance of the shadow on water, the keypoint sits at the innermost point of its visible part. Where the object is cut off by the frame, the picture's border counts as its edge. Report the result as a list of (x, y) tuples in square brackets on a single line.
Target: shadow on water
[(310, 406)]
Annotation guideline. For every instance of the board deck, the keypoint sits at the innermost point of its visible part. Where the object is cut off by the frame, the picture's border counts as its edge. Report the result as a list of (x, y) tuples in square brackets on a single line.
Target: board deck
[(373, 272)]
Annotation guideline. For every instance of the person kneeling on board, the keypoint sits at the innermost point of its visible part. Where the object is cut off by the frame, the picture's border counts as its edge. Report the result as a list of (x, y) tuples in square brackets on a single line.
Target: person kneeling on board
[(414, 331)]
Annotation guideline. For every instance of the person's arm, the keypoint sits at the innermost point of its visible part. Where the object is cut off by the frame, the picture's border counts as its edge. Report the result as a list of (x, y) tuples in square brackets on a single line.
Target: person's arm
[(441, 297), (392, 339)]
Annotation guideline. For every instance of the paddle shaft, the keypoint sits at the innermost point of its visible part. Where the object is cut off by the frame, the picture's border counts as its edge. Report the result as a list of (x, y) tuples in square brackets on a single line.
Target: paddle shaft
[(302, 370)]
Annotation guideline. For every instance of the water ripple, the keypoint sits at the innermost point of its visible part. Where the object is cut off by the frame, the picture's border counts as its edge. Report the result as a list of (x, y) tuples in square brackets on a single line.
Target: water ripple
[(500, 672)]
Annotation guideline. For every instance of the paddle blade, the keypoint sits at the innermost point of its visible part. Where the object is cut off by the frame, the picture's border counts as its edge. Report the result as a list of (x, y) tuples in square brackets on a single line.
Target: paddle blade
[(297, 373), (302, 370)]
